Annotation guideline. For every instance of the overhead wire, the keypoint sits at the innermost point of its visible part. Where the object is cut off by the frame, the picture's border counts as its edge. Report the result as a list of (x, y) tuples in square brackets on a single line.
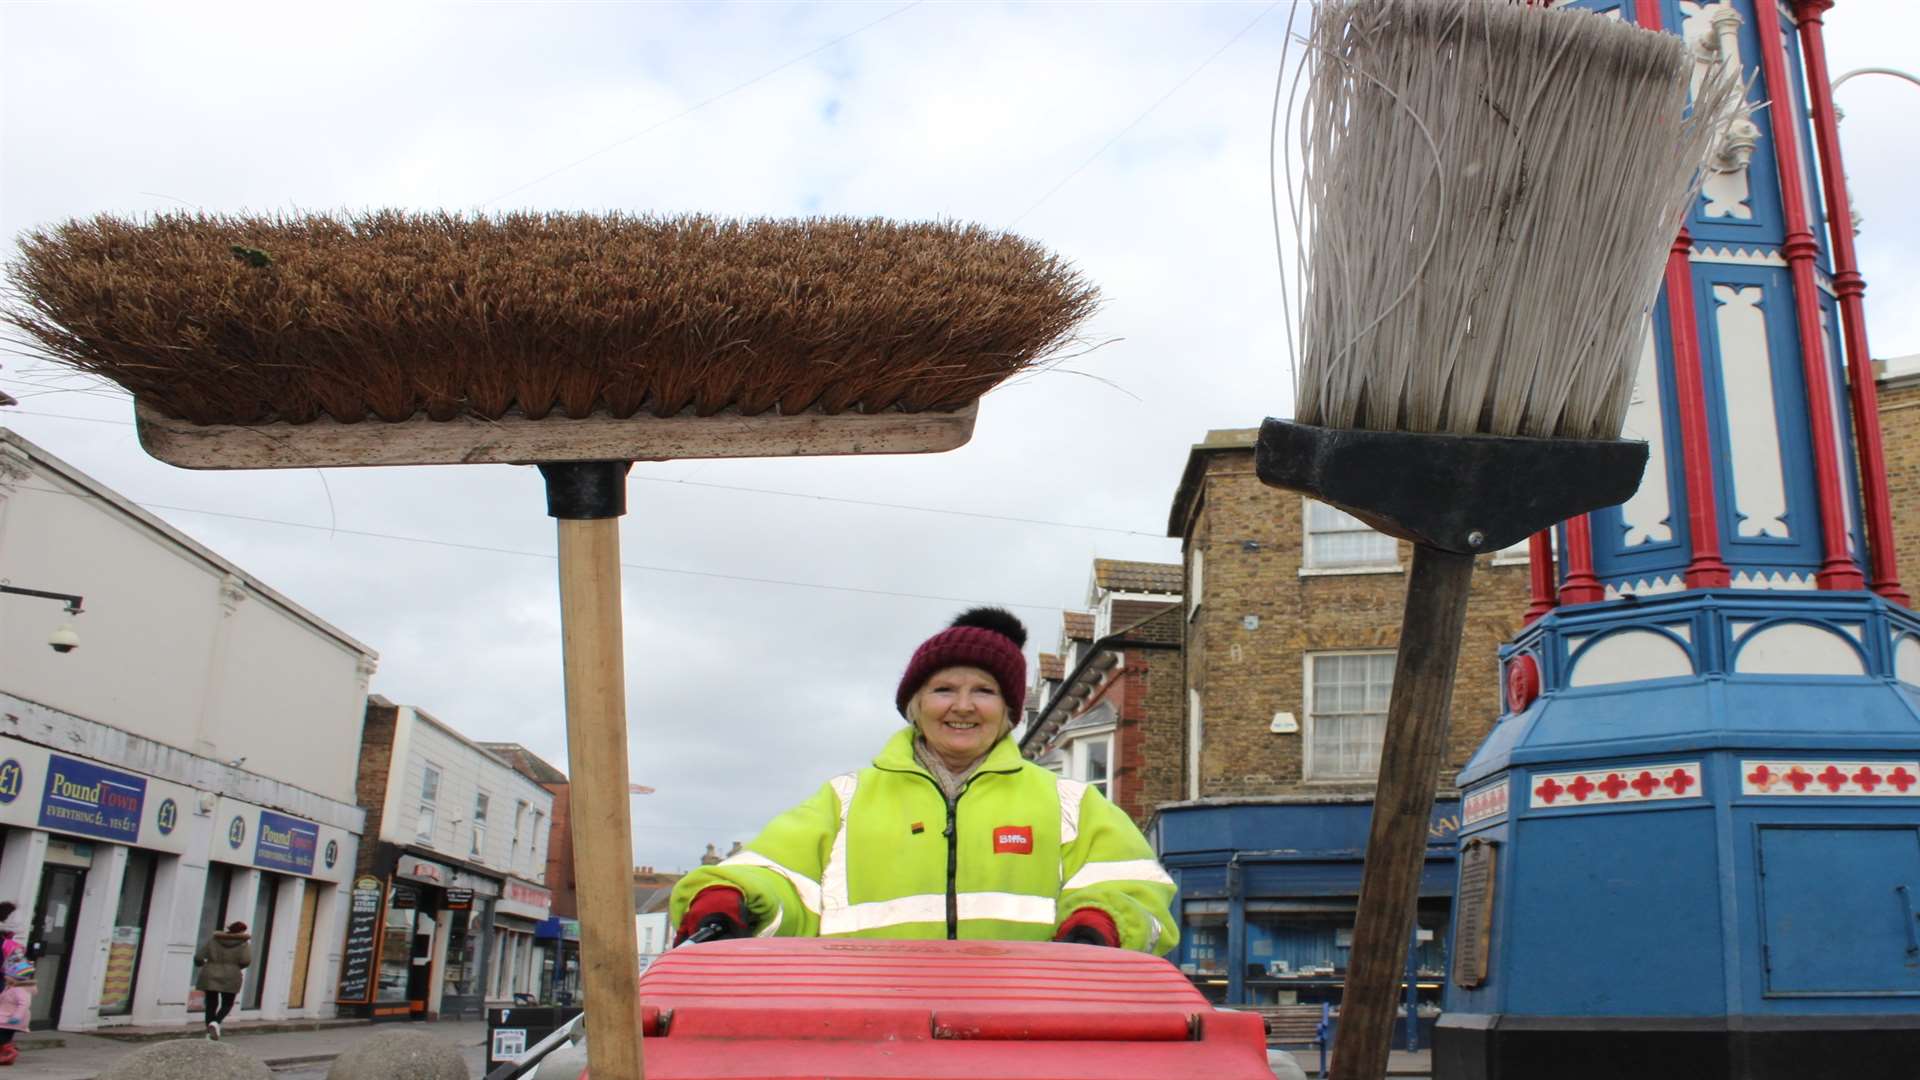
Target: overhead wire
[(489, 549), (1011, 519)]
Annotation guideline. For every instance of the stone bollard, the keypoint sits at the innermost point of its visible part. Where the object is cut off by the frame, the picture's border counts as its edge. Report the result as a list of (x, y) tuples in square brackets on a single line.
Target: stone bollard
[(398, 1054), (187, 1059)]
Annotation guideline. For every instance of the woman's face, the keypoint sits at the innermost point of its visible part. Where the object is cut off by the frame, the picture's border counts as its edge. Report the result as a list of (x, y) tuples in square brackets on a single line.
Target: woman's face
[(961, 714)]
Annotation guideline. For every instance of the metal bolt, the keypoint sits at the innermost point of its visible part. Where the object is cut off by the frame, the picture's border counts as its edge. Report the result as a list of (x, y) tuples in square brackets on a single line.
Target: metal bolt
[(1476, 538)]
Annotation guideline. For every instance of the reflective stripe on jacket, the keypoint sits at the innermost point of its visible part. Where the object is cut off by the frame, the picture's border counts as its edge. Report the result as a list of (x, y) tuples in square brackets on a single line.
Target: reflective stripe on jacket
[(871, 855)]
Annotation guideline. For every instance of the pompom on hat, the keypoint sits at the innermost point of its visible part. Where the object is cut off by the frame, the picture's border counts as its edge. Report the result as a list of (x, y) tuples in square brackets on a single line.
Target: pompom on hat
[(987, 638)]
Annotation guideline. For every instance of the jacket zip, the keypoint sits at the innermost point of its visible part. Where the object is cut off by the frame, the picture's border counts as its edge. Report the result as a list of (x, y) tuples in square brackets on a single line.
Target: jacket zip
[(952, 833), (953, 865)]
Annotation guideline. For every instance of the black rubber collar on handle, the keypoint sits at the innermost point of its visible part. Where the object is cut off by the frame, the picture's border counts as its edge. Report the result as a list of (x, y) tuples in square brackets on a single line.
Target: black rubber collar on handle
[(586, 490)]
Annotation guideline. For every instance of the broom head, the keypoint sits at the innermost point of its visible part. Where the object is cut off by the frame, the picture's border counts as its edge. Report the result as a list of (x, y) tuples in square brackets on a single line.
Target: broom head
[(395, 338), (1489, 193)]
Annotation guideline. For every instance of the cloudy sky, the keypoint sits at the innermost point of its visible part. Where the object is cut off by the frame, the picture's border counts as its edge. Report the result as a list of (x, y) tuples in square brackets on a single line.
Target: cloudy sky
[(770, 605)]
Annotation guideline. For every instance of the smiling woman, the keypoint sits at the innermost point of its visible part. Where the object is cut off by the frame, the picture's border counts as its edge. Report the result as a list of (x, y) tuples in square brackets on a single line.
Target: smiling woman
[(949, 833)]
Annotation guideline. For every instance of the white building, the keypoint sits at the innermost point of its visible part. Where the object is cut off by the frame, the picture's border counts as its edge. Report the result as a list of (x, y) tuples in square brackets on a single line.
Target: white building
[(457, 852), (191, 763)]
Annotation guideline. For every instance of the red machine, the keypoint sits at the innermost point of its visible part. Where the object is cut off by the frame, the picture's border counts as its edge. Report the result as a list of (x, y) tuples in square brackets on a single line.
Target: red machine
[(788, 1008)]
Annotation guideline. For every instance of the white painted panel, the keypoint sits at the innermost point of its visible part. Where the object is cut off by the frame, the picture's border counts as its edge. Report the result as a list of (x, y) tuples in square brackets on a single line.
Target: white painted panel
[(1797, 649), (1727, 194), (1906, 660), (1759, 484), (1646, 513), (1630, 656)]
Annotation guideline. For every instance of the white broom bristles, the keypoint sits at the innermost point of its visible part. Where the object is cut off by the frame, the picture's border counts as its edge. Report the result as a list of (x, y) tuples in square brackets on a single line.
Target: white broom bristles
[(1489, 192)]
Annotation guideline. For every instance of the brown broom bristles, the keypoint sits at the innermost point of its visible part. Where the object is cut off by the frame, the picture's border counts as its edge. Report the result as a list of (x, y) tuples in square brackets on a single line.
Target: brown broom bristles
[(389, 315)]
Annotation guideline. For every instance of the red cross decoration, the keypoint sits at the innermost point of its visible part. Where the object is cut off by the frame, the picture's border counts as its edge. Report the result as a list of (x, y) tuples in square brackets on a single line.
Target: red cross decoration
[(1548, 791), (1901, 779), (1580, 788), (1645, 784), (1799, 778), (1762, 777), (1679, 781), (1612, 786), (1833, 778), (1867, 778)]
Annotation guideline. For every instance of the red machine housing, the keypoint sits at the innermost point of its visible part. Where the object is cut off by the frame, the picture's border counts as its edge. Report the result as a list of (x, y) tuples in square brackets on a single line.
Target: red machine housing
[(792, 1008)]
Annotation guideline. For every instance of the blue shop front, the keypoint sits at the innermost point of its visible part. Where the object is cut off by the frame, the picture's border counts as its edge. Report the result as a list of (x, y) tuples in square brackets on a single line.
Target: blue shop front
[(1268, 888)]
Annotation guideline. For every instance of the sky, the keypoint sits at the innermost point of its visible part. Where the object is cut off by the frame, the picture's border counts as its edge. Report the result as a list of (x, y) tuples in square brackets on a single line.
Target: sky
[(770, 605)]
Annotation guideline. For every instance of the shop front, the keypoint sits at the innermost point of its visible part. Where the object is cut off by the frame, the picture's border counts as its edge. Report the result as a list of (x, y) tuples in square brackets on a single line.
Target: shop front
[(120, 874), (1268, 892), (559, 960), (430, 943), (516, 960), (285, 878)]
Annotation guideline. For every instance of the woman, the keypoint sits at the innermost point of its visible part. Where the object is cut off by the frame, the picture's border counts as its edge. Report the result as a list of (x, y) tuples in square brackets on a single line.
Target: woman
[(221, 961), (949, 833)]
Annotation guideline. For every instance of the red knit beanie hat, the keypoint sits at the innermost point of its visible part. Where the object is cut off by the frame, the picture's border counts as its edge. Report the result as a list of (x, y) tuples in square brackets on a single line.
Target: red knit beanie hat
[(987, 638)]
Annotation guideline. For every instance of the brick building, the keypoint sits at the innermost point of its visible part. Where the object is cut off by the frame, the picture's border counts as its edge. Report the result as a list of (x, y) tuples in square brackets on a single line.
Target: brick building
[(1106, 708), (1899, 385), (1290, 618)]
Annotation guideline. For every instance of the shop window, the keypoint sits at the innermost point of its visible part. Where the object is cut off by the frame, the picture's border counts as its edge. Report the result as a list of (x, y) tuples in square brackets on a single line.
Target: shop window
[(1203, 934), (1346, 711), (213, 900), (265, 903), (1337, 540), (129, 927), (396, 942)]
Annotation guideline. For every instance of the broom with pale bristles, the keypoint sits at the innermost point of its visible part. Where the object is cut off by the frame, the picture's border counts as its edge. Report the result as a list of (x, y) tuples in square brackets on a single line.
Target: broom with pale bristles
[(1488, 192), (580, 343)]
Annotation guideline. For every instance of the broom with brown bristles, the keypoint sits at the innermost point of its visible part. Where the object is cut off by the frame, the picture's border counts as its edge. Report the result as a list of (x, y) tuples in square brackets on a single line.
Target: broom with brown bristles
[(1488, 195), (578, 343)]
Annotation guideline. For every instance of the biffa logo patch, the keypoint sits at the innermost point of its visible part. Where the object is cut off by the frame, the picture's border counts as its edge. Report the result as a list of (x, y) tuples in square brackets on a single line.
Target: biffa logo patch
[(1013, 840)]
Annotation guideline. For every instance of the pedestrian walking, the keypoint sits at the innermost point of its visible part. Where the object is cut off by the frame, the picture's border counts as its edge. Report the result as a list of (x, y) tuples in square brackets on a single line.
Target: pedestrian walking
[(221, 961), (949, 833), (16, 1004)]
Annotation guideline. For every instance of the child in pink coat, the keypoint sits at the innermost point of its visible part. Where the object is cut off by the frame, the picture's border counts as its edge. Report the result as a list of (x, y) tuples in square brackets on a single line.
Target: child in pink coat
[(16, 1006)]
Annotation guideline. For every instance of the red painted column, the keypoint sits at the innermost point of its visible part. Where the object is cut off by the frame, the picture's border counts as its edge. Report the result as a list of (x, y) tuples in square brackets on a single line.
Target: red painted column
[(1849, 285), (1581, 586), (1539, 574), (1706, 570), (1837, 568)]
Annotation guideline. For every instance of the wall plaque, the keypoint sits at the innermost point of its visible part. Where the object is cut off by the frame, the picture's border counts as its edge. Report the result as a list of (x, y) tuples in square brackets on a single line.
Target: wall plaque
[(1473, 914)]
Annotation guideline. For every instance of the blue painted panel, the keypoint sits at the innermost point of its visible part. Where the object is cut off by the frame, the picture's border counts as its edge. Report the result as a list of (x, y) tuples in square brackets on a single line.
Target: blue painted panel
[(1839, 907), (1619, 916), (1301, 829)]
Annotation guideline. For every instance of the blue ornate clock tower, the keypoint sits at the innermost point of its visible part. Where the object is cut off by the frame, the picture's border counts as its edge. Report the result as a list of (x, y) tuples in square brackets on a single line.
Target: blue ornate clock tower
[(1691, 847)]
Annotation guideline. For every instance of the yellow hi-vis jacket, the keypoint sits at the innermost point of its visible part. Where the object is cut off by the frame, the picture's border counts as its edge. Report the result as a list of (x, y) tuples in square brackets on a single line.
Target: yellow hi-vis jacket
[(880, 853)]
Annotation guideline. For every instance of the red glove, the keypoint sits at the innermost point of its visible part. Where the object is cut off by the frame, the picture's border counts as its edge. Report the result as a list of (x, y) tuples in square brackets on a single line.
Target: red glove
[(1088, 926), (722, 906)]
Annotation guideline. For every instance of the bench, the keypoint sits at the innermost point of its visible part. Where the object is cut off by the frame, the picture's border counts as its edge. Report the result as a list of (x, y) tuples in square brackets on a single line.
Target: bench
[(1290, 1025)]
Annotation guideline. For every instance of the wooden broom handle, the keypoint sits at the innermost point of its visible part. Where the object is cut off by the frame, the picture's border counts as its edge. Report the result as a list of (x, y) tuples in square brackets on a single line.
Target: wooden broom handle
[(597, 762), (1410, 758)]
